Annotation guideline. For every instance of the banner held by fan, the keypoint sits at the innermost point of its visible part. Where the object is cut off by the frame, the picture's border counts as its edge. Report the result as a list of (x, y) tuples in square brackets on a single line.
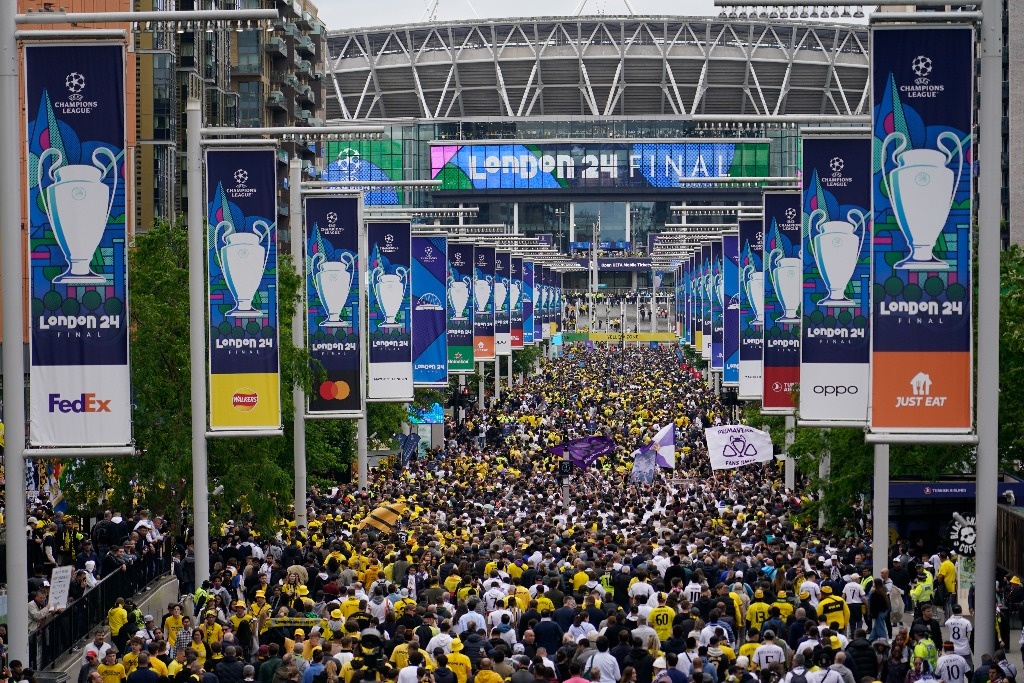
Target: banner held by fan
[(384, 518), (584, 452), (735, 446)]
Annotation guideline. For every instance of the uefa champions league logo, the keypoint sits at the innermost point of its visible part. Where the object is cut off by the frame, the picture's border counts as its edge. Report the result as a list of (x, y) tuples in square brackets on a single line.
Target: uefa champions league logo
[(790, 214), (75, 83), (389, 245), (922, 67), (241, 177), (837, 165), (332, 220), (389, 239), (241, 190), (480, 259), (457, 261)]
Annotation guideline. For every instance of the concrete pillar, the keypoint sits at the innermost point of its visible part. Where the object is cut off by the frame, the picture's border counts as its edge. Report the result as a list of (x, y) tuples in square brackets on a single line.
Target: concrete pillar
[(880, 511)]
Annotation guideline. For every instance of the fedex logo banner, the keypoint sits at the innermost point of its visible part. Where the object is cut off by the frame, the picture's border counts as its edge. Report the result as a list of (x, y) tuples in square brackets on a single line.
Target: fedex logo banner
[(85, 403)]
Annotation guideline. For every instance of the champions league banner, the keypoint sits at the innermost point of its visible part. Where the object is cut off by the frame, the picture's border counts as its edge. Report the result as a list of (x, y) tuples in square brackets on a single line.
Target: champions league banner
[(557, 276), (460, 308), (545, 302), (751, 318), (834, 341), (389, 323), (429, 312), (333, 304), (241, 245), (922, 118), (502, 301), (783, 285), (706, 286), (483, 303), (731, 297), (79, 374), (515, 294), (528, 298), (717, 306), (693, 305)]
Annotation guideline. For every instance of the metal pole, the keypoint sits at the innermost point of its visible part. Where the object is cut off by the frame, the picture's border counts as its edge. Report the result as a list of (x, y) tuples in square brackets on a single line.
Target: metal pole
[(298, 327), (880, 511), (11, 290), (462, 409), (824, 466), (510, 373), (789, 463), (197, 338), (480, 386), (362, 452), (497, 379), (989, 210)]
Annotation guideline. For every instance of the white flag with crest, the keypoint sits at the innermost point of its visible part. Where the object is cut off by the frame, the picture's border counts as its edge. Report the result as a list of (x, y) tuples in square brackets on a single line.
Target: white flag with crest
[(733, 446)]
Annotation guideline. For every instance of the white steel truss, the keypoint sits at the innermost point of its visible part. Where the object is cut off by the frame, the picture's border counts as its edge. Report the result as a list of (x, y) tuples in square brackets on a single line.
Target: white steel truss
[(598, 66)]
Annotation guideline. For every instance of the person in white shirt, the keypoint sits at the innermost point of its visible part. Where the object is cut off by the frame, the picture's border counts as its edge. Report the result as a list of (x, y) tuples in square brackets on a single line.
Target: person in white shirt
[(692, 592), (811, 586), (799, 671), (951, 667), (960, 635), (855, 597), (768, 653), (493, 596)]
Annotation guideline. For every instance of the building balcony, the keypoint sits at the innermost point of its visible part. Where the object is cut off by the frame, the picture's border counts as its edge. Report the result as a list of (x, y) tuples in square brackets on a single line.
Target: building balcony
[(315, 121), (306, 21), (318, 74), (306, 44), (276, 100), (246, 70), (306, 94), (276, 46), (288, 8), (306, 67), (282, 156)]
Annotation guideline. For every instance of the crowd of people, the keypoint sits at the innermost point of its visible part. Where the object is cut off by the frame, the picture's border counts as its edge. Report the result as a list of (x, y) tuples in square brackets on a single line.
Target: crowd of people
[(491, 574)]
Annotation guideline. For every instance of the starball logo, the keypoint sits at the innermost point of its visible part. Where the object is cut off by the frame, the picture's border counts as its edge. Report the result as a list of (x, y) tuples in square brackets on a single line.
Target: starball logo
[(389, 246), (76, 102), (428, 254), (332, 220), (836, 179), (241, 190), (921, 67), (458, 261), (790, 215)]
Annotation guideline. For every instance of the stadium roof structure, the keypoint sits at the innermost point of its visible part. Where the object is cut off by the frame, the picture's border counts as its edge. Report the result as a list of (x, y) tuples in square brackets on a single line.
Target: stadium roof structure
[(562, 67)]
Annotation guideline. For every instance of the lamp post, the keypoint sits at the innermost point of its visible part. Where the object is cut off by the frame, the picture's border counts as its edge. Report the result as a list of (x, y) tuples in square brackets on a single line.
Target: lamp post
[(560, 212)]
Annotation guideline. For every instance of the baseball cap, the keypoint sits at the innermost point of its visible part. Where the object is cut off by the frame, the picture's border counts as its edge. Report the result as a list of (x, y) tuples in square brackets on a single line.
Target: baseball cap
[(660, 663), (299, 632)]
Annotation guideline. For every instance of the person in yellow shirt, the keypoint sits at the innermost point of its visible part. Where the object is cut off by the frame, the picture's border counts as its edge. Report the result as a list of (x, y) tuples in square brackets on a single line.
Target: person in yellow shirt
[(833, 608), (451, 583), (111, 669), (580, 577), (350, 605), (130, 661), (154, 661), (748, 648), (543, 601), (172, 624), (117, 619), (661, 618), (459, 663), (947, 576), (784, 605), (758, 611), (178, 663), (486, 674), (212, 632)]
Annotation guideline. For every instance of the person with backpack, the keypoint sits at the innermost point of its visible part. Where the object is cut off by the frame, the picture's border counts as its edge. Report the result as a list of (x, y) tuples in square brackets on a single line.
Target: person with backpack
[(798, 674)]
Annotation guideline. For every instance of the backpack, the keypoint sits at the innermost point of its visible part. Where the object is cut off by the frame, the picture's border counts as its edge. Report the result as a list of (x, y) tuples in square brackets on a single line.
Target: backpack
[(798, 677)]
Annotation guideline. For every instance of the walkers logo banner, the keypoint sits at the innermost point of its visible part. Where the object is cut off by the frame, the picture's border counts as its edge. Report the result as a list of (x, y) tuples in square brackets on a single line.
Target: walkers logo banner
[(389, 311), (529, 297), (834, 340), (79, 373), (483, 303), (333, 304), (735, 446), (429, 312), (731, 297), (751, 319), (717, 305), (502, 303), (921, 330), (515, 295), (783, 292), (706, 289), (241, 246), (460, 308)]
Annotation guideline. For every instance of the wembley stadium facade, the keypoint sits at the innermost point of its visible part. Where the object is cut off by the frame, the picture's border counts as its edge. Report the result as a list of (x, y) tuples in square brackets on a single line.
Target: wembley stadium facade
[(546, 123)]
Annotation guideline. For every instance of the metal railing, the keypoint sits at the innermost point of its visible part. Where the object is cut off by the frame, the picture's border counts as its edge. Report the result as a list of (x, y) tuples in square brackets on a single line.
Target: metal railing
[(60, 633)]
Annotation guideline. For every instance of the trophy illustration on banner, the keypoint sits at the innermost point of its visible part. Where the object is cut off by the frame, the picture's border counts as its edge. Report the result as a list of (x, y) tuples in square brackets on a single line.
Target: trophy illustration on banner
[(753, 284), (458, 294), (921, 189), (787, 279), (656, 279), (482, 292), (720, 286), (389, 290), (500, 293), (836, 247), (78, 205), (333, 282), (243, 258), (513, 294)]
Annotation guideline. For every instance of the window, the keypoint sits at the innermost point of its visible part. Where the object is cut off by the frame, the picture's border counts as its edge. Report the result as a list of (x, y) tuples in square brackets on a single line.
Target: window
[(248, 52), (250, 103)]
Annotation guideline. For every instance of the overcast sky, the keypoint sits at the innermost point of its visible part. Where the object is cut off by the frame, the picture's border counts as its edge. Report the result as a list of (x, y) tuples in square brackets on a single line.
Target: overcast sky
[(342, 14)]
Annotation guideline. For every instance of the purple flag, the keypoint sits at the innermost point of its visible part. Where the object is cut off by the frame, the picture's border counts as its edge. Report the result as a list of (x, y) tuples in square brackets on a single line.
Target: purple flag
[(664, 444), (584, 452)]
